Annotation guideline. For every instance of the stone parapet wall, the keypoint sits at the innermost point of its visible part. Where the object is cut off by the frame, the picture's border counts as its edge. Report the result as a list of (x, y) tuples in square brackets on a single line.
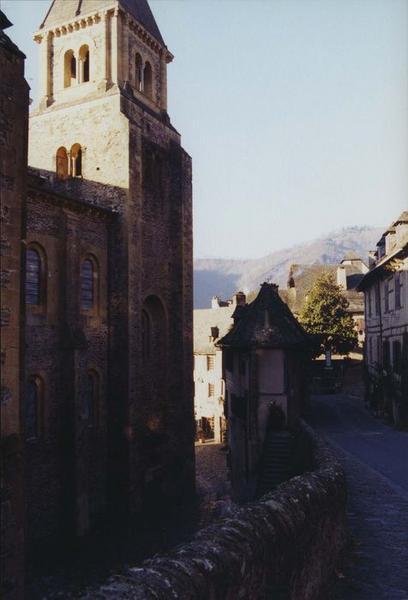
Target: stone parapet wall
[(284, 546)]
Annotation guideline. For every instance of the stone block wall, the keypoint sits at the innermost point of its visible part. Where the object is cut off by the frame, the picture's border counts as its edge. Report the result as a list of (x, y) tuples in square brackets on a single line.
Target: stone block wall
[(66, 462), (285, 545), (13, 166)]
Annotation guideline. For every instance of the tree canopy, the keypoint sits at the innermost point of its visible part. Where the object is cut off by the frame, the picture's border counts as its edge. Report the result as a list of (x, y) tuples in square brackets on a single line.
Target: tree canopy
[(325, 317)]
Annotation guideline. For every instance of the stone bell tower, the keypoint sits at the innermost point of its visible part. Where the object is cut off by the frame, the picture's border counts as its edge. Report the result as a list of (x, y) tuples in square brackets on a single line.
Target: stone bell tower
[(101, 133), (91, 52)]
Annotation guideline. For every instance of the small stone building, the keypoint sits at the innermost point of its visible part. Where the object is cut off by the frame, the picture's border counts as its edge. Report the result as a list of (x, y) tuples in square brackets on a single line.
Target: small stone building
[(385, 289), (347, 274), (211, 324), (97, 398), (264, 358)]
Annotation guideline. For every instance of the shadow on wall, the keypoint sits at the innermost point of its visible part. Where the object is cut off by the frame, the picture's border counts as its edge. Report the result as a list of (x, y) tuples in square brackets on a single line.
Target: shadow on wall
[(82, 191), (285, 545), (212, 283)]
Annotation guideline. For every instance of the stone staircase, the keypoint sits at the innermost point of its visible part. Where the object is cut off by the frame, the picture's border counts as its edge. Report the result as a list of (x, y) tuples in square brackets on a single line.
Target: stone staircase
[(276, 464)]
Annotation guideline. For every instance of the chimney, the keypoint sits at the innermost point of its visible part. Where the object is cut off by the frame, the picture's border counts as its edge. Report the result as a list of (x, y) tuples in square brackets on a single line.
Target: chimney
[(238, 299), (401, 233), (215, 302), (372, 258), (342, 277)]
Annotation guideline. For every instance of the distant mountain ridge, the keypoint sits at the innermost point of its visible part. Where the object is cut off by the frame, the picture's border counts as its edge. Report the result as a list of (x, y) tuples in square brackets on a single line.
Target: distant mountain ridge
[(223, 277)]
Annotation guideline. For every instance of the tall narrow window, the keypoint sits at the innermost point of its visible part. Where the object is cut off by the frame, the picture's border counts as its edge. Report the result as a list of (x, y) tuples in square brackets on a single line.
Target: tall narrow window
[(210, 390), (87, 285), (398, 290), (387, 294), (84, 64), (397, 357), (76, 160), (33, 404), (386, 355), (62, 163), (33, 279), (70, 70), (148, 80), (377, 298), (91, 398), (139, 72)]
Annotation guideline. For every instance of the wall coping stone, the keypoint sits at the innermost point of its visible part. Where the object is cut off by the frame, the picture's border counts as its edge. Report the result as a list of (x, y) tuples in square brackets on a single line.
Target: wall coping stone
[(288, 542)]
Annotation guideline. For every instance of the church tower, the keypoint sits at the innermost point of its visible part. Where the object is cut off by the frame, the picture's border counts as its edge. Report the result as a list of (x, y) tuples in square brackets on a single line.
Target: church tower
[(101, 134), (93, 55)]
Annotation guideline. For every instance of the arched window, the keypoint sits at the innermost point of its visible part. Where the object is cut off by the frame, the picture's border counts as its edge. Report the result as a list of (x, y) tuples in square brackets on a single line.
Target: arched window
[(146, 334), (153, 329), (76, 160), (89, 279), (84, 64), (148, 80), (33, 407), (70, 70), (35, 277), (91, 398), (139, 72), (62, 163)]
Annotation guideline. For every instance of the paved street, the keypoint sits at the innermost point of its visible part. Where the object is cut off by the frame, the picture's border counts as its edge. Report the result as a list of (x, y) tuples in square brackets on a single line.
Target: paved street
[(375, 458), (213, 488)]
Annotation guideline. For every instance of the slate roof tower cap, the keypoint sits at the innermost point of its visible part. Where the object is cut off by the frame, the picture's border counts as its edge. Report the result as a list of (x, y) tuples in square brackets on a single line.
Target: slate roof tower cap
[(4, 22), (265, 323), (5, 41), (61, 11)]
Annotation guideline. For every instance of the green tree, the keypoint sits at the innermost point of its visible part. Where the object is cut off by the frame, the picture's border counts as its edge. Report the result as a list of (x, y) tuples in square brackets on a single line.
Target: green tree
[(325, 317)]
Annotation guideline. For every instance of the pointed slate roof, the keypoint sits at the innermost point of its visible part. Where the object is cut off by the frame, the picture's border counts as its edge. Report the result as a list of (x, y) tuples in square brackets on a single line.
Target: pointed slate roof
[(5, 41), (61, 11), (266, 323)]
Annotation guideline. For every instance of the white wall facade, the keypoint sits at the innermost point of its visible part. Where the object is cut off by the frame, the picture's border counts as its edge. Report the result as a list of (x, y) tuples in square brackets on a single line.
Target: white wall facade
[(209, 389), (385, 323)]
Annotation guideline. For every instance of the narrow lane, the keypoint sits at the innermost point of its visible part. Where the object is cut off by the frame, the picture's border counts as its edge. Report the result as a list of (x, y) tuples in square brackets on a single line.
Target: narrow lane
[(375, 458)]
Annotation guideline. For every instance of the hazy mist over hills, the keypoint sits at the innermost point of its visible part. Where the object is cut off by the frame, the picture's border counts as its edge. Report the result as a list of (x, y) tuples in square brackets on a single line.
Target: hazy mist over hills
[(219, 277)]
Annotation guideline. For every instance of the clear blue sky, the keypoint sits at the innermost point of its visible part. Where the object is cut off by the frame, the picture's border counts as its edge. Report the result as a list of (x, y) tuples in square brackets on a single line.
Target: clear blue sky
[(295, 113)]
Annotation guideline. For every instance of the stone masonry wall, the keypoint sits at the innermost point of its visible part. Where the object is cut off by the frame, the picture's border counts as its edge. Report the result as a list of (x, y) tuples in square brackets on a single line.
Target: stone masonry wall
[(66, 463), (284, 546), (13, 165)]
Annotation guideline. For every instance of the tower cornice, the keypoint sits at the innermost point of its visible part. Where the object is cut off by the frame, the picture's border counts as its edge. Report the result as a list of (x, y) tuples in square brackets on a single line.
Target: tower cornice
[(94, 17)]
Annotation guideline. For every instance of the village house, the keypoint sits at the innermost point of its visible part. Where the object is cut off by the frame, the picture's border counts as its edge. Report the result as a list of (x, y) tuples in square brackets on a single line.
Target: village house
[(97, 401), (347, 274), (210, 324), (264, 357), (385, 289)]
